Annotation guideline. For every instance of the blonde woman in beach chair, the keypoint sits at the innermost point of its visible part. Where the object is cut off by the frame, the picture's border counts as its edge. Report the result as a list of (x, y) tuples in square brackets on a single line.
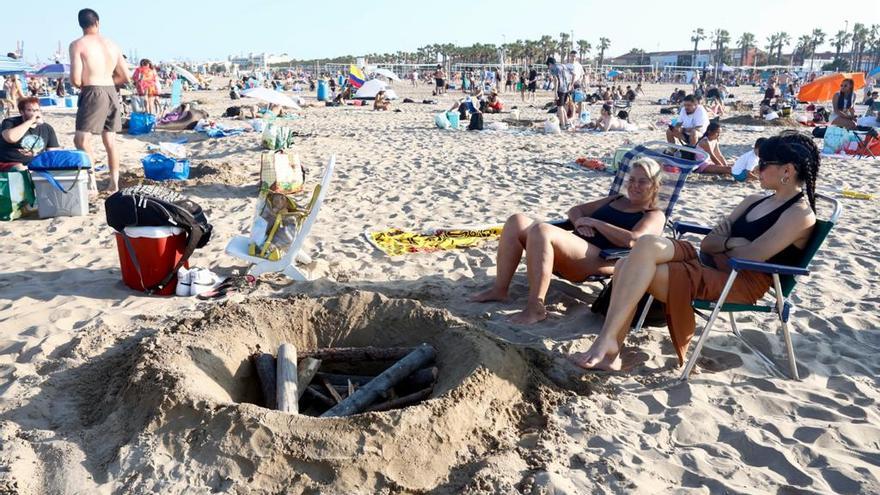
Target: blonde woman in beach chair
[(741, 259), (241, 246), (571, 248)]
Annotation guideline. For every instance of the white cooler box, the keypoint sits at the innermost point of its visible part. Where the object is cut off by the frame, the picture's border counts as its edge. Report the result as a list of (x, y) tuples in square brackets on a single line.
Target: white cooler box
[(71, 201)]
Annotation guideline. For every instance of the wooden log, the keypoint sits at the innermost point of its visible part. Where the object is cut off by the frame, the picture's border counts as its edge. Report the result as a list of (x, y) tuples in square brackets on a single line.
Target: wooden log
[(419, 379), (286, 393), (305, 373), (370, 392), (265, 366), (312, 391), (406, 400), (358, 353), (330, 388)]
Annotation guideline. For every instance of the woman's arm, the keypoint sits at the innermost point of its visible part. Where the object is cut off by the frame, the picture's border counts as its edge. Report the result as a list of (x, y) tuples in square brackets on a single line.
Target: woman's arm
[(650, 224), (587, 209), (703, 144), (714, 242), (794, 224)]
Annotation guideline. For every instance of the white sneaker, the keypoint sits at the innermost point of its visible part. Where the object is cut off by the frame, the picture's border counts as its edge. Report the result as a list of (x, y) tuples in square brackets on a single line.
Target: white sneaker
[(203, 280), (184, 281)]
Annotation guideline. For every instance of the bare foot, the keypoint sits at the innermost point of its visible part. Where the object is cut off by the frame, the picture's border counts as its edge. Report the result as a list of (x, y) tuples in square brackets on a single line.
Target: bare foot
[(532, 314), (488, 295), (600, 356)]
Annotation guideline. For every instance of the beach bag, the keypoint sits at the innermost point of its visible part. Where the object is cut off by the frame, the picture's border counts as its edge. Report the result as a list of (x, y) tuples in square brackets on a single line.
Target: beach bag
[(442, 121), (656, 315), (835, 140), (277, 137), (16, 193), (281, 172), (50, 160), (454, 119), (156, 206), (476, 123), (141, 123), (579, 96), (160, 167)]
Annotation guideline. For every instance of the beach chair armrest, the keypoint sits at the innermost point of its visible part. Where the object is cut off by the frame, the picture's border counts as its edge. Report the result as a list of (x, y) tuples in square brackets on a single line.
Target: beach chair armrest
[(740, 264), (690, 228), (614, 253)]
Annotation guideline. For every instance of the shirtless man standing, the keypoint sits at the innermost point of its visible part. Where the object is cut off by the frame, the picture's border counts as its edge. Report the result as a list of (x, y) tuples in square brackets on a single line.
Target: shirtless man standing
[(97, 66)]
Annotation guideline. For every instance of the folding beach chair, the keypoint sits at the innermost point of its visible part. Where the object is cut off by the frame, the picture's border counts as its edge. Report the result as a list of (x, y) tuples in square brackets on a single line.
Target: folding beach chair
[(675, 173), (238, 245), (783, 285)]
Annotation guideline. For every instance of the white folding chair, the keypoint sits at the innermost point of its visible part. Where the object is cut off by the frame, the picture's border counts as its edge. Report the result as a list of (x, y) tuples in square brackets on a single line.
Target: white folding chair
[(238, 245)]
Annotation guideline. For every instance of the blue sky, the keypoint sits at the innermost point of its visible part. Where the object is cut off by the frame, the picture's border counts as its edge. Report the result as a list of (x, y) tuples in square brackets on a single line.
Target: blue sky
[(193, 29)]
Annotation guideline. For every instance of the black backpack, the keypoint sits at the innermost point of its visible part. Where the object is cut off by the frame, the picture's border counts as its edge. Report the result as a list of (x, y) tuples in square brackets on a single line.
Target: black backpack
[(476, 123), (156, 206)]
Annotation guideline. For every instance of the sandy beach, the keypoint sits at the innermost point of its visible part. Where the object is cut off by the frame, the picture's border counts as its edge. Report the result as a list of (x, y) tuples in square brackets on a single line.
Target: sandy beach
[(106, 390)]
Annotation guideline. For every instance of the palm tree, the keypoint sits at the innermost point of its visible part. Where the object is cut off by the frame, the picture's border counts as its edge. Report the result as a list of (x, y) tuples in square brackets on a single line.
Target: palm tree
[(783, 39), (584, 48), (720, 38), (840, 40), (802, 47), (604, 44), (564, 39), (771, 47), (547, 46), (697, 36), (746, 41), (817, 37), (861, 36)]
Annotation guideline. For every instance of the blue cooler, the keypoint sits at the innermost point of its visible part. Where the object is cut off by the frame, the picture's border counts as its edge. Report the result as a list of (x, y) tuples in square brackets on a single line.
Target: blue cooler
[(61, 183), (323, 90)]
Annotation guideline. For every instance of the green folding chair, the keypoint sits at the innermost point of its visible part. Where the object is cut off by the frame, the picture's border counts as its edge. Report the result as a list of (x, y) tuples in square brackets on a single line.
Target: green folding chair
[(783, 285)]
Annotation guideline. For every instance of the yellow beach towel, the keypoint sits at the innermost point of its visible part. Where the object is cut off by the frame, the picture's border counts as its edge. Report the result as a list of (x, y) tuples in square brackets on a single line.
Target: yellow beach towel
[(395, 242)]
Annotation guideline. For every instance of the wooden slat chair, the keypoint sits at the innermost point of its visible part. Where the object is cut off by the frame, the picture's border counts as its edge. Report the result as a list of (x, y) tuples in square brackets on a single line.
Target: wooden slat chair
[(783, 285)]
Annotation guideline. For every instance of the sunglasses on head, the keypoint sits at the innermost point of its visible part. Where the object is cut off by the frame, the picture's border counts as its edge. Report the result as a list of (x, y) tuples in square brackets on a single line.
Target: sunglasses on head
[(762, 165)]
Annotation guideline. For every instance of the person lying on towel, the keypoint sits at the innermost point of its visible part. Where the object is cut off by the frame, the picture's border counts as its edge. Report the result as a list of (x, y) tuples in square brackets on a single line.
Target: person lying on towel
[(774, 228), (571, 250)]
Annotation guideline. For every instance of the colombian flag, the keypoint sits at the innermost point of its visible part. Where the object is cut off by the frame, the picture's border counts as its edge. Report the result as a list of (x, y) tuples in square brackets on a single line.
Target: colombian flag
[(355, 76)]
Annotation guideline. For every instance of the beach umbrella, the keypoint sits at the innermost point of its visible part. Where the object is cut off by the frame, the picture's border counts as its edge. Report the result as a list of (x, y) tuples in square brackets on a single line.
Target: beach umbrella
[(270, 96), (613, 73), (186, 74), (387, 73), (823, 88), (874, 72), (54, 70), (13, 66)]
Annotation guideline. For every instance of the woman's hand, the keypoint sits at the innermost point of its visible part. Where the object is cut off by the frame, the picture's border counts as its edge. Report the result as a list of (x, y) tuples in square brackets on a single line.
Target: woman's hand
[(586, 226)]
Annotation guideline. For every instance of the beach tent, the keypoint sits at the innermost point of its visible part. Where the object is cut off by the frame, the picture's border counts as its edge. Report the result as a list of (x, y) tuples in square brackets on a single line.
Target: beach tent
[(823, 88), (371, 88), (54, 70)]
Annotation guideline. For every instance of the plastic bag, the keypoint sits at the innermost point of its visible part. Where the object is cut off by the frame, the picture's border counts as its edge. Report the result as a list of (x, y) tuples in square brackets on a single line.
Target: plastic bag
[(277, 137), (551, 126), (835, 140), (141, 123), (441, 121)]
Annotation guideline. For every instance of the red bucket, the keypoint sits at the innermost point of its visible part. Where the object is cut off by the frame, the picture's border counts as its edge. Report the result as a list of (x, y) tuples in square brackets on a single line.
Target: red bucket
[(157, 249)]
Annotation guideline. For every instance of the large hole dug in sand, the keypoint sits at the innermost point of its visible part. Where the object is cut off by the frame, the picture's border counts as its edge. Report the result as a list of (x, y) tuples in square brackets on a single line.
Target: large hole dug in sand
[(207, 420)]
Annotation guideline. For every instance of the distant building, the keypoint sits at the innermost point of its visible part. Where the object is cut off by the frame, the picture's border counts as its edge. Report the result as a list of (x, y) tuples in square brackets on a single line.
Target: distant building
[(259, 60), (683, 58)]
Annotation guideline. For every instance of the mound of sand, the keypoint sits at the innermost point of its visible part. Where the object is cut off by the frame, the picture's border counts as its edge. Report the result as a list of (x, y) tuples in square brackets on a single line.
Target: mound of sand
[(176, 409), (752, 120)]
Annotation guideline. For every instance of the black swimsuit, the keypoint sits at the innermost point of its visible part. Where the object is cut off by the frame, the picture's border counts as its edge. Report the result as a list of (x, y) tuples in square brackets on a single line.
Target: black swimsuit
[(751, 230), (613, 216)]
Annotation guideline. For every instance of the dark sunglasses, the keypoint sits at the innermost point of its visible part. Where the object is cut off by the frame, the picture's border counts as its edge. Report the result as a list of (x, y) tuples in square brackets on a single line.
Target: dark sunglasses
[(762, 165)]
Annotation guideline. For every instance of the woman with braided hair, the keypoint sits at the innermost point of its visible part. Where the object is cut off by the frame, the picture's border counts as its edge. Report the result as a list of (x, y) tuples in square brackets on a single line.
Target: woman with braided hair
[(774, 228)]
